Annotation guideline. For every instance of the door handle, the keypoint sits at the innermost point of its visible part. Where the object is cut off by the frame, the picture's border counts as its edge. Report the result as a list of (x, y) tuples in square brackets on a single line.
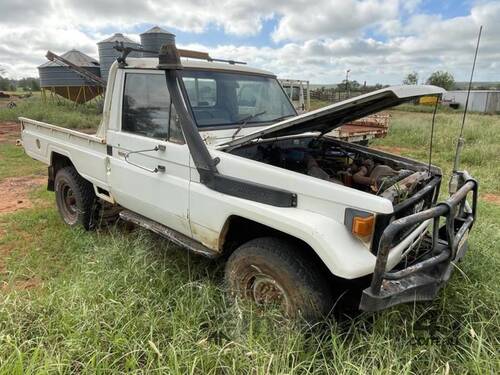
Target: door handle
[(159, 168)]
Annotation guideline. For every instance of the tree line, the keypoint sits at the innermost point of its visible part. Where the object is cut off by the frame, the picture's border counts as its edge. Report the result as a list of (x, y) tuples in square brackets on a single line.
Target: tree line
[(25, 84), (438, 78)]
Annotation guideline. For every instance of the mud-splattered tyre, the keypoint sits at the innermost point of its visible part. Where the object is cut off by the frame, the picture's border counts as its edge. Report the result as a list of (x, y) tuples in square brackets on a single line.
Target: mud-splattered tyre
[(107, 214), (277, 271), (75, 198)]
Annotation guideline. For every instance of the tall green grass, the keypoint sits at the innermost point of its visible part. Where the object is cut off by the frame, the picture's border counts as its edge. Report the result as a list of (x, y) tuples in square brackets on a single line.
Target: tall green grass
[(480, 156), (114, 301), (62, 112), (128, 302)]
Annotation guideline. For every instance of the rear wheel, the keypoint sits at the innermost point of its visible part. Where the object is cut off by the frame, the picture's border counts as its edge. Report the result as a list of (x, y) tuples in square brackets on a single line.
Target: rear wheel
[(75, 198), (275, 271)]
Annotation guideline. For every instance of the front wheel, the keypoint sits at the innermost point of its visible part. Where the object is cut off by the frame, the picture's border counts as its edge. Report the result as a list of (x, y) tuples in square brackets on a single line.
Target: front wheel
[(75, 198), (277, 271)]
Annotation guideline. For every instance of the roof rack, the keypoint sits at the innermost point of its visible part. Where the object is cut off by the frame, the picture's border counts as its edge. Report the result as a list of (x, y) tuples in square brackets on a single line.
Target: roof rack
[(191, 54)]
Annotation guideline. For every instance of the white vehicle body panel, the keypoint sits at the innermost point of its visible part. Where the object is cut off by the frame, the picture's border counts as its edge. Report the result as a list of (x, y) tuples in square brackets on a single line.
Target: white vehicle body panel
[(177, 199), (88, 152)]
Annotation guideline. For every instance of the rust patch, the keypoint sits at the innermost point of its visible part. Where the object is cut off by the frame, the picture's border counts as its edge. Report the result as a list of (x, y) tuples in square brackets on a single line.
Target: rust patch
[(205, 236), (14, 192), (9, 131), (491, 198), (392, 150)]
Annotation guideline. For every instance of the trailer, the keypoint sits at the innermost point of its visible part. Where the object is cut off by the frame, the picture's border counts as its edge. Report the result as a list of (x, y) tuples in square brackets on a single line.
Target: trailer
[(360, 131), (363, 130)]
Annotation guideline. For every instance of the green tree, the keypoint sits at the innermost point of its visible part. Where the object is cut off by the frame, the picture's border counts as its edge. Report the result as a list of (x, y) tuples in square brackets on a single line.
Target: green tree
[(29, 84), (411, 79), (4, 84), (442, 79), (353, 85)]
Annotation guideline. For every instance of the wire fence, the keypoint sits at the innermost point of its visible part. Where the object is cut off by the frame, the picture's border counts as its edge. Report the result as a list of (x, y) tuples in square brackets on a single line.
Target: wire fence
[(336, 95)]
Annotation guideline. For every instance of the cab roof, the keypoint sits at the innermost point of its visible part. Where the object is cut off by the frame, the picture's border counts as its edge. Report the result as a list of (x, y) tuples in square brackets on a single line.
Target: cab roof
[(152, 63)]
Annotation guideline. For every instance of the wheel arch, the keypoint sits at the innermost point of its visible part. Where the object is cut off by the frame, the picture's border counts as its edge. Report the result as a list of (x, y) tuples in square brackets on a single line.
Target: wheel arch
[(58, 160), (231, 237)]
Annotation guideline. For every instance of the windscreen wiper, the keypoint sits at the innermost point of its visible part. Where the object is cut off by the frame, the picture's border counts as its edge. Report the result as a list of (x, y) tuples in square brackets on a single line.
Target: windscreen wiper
[(244, 121), (277, 119)]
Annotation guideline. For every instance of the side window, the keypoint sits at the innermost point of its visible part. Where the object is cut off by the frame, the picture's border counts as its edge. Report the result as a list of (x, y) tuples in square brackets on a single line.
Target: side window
[(147, 107), (175, 127)]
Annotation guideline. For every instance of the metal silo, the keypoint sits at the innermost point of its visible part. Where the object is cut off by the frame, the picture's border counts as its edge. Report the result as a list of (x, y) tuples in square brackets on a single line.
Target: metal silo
[(58, 79), (108, 55), (153, 39)]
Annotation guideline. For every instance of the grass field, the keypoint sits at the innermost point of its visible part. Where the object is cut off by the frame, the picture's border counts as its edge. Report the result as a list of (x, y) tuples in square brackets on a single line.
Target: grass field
[(116, 301), (62, 112)]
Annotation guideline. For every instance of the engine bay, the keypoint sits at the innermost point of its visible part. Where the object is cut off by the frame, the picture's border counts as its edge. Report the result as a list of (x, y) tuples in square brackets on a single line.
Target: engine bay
[(341, 163)]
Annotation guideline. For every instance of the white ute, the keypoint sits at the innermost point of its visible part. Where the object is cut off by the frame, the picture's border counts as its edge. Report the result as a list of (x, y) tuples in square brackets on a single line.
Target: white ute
[(214, 157)]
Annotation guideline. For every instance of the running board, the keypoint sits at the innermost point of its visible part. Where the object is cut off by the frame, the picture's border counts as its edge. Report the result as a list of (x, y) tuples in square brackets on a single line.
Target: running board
[(174, 236)]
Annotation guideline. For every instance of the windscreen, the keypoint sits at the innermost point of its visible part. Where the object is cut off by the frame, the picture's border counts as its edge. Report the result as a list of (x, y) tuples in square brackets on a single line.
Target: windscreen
[(235, 99)]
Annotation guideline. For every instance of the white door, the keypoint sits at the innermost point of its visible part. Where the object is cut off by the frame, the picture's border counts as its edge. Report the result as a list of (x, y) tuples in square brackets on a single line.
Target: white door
[(153, 183)]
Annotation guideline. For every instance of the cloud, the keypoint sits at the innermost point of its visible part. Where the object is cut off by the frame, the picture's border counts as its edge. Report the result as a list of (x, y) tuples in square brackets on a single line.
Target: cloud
[(378, 40), (303, 20)]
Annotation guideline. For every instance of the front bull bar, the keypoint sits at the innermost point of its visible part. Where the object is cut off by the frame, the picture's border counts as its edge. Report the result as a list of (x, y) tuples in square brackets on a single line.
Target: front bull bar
[(421, 281)]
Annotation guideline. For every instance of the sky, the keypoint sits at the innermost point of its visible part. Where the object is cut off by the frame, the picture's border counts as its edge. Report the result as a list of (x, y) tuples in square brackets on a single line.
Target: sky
[(380, 41)]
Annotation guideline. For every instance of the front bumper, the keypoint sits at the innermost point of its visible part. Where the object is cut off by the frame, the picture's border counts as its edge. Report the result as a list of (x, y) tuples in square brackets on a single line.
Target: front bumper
[(421, 278)]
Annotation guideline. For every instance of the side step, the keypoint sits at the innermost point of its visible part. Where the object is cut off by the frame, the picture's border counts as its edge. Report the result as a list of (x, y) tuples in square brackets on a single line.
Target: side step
[(174, 236)]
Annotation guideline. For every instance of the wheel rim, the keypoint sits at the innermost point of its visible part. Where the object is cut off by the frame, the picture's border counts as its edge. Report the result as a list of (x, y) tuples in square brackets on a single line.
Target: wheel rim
[(265, 290), (68, 201)]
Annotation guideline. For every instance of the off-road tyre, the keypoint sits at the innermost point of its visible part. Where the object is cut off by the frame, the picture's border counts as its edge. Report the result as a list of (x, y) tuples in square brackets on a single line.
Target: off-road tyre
[(106, 214), (75, 198), (278, 271)]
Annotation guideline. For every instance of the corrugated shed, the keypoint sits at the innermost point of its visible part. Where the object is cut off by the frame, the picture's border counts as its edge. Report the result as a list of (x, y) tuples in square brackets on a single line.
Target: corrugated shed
[(485, 101)]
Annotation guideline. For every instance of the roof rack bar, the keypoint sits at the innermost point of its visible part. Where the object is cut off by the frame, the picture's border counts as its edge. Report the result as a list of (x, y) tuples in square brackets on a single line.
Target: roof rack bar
[(191, 54), (194, 54), (232, 62)]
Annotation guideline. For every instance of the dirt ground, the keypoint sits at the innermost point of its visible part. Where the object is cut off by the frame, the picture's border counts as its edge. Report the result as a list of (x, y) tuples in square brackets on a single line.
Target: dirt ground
[(491, 198), (14, 191), (9, 131), (392, 150)]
